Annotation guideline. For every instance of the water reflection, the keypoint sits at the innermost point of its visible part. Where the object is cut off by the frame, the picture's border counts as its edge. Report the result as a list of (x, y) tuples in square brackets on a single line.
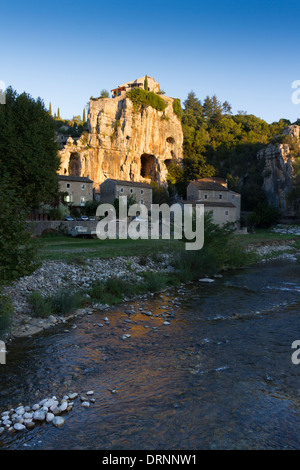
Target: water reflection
[(209, 368)]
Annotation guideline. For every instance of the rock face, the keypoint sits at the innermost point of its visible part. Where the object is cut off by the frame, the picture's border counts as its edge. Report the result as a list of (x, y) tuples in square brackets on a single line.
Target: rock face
[(125, 144), (278, 173)]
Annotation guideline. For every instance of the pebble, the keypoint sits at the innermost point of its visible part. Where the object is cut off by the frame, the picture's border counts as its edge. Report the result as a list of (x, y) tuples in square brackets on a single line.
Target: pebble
[(86, 404), (19, 427), (58, 421)]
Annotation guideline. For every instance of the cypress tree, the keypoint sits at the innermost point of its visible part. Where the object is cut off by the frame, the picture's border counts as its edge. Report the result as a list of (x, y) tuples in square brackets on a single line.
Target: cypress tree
[(50, 109), (83, 116), (146, 87)]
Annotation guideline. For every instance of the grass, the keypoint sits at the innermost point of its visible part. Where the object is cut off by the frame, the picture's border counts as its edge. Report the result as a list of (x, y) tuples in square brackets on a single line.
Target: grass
[(6, 314), (72, 249), (61, 303)]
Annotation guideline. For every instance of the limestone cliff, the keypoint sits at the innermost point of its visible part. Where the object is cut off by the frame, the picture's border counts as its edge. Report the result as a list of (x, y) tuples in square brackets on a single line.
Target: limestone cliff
[(278, 172), (125, 144)]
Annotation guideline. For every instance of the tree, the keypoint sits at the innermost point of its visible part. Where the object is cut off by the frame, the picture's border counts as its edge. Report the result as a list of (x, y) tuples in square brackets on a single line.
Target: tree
[(50, 109), (83, 116), (28, 149), (104, 94), (146, 87), (17, 253), (58, 113)]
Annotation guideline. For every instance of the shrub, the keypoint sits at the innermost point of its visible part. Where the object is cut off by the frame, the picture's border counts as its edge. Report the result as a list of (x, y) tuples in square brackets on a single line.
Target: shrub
[(141, 99), (263, 216), (41, 306), (154, 282), (6, 314), (177, 108), (66, 302)]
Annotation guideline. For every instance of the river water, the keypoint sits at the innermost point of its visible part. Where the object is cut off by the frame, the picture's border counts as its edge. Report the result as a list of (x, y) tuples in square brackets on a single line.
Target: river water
[(211, 368)]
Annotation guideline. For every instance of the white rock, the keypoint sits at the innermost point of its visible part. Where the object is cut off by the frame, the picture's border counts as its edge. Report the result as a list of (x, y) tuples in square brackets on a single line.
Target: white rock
[(63, 406), (19, 427), (86, 404), (39, 415), (206, 279), (49, 417), (90, 392), (72, 396), (58, 421)]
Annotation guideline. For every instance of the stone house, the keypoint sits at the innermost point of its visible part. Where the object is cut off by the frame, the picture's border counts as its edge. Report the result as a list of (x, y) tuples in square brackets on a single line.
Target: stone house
[(78, 189), (111, 189), (138, 83), (216, 197)]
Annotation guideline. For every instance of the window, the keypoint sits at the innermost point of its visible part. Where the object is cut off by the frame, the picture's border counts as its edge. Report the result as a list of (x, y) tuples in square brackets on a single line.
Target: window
[(205, 196), (122, 190), (82, 200), (226, 212), (142, 191), (233, 197), (68, 185), (220, 196), (131, 191), (83, 186), (142, 201)]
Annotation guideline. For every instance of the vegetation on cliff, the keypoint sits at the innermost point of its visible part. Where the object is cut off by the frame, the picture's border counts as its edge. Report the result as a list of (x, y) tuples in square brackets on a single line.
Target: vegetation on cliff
[(141, 99), (216, 142)]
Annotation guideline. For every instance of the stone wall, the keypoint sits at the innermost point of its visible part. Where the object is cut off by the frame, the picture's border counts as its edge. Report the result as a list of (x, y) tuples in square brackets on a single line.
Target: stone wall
[(40, 226)]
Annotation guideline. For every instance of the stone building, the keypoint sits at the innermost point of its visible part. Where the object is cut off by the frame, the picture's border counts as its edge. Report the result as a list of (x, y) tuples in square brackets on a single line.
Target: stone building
[(78, 190), (138, 83), (216, 197), (112, 189)]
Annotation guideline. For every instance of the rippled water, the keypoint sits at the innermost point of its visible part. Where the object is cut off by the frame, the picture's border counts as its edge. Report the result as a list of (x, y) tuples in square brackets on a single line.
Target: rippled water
[(219, 376)]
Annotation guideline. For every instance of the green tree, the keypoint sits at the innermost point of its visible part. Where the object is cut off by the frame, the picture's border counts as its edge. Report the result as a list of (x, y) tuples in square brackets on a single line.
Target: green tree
[(146, 86), (83, 116), (50, 109), (28, 148), (17, 252), (104, 94)]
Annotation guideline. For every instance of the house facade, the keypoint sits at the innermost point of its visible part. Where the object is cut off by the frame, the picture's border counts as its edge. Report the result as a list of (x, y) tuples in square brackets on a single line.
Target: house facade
[(138, 83), (78, 189), (224, 204), (112, 189)]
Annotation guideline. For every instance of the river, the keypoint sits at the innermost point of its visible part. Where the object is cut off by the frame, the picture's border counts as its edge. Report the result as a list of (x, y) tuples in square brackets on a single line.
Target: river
[(210, 368)]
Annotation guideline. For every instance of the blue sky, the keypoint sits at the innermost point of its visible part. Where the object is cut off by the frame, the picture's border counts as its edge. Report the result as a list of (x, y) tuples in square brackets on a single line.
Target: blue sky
[(245, 52)]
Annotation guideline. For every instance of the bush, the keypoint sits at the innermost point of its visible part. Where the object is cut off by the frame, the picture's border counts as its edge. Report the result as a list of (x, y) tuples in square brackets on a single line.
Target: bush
[(141, 99), (41, 306), (66, 302), (17, 252), (263, 216), (154, 282), (62, 303), (6, 314), (177, 108)]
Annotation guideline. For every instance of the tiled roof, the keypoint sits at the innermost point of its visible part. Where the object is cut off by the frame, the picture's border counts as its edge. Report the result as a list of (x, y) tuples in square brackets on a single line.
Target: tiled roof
[(130, 183), (209, 203), (209, 185), (80, 179)]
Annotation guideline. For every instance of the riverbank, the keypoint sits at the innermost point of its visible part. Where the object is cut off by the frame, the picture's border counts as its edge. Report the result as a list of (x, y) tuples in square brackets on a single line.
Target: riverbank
[(82, 273)]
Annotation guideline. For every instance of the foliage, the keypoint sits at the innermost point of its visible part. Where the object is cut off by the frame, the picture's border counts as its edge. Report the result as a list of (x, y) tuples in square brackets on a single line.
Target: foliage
[(59, 212), (40, 306), (219, 143), (61, 303), (6, 314), (28, 148), (177, 108), (219, 251), (160, 194), (130, 201), (141, 99), (17, 252), (263, 216), (146, 87)]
